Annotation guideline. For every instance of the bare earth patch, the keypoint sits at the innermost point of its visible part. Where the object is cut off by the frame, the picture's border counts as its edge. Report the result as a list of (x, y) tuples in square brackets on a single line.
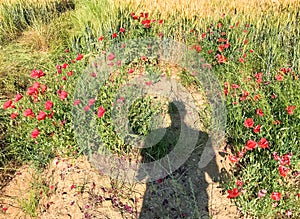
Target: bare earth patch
[(76, 190)]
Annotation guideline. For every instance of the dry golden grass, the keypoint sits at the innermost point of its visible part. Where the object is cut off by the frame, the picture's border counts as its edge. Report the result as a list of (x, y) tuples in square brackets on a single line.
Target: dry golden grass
[(210, 8)]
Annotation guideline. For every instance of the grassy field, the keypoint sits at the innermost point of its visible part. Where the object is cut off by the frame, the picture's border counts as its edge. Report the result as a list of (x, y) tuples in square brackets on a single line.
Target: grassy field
[(251, 46)]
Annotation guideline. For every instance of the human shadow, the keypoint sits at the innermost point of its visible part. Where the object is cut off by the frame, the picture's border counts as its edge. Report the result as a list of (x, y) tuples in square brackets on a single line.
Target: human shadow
[(183, 192)]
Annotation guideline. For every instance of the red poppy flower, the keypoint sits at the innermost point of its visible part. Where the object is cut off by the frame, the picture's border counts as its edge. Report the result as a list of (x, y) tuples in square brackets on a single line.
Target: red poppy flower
[(86, 108), (43, 88), (70, 73), (18, 97), (233, 158), (13, 115), (41, 116), (114, 35), (76, 102), (48, 105), (283, 170), (28, 112), (36, 85), (259, 112), (91, 102), (251, 145), (79, 57), (233, 193), (263, 143), (7, 104), (198, 48), (235, 86), (62, 94), (248, 123), (239, 183), (256, 97), (65, 65), (242, 152), (286, 159), (101, 38), (279, 77), (64, 78), (290, 109), (276, 196), (32, 91), (256, 129), (242, 60), (221, 58), (161, 21), (101, 112), (122, 30), (35, 133), (37, 73), (111, 57), (130, 70)]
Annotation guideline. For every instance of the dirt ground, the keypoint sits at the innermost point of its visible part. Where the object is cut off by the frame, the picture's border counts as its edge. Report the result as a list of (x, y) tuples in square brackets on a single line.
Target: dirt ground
[(71, 188)]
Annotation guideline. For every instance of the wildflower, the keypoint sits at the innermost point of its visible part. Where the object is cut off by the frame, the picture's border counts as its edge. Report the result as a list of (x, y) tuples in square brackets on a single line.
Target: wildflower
[(262, 193), (13, 115), (130, 70), (258, 77), (41, 116), (100, 112), (276, 196), (86, 108), (32, 91), (7, 104), (233, 158), (259, 112), (79, 57), (242, 60), (239, 183), (91, 102), (235, 86), (122, 30), (35, 133), (233, 193), (43, 88), (221, 58), (101, 38), (283, 170), (28, 112), (114, 35), (263, 143), (76, 102), (256, 129), (290, 109), (62, 94), (251, 145), (18, 97), (48, 105), (248, 123), (111, 57), (37, 73), (279, 77), (286, 159), (146, 23)]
